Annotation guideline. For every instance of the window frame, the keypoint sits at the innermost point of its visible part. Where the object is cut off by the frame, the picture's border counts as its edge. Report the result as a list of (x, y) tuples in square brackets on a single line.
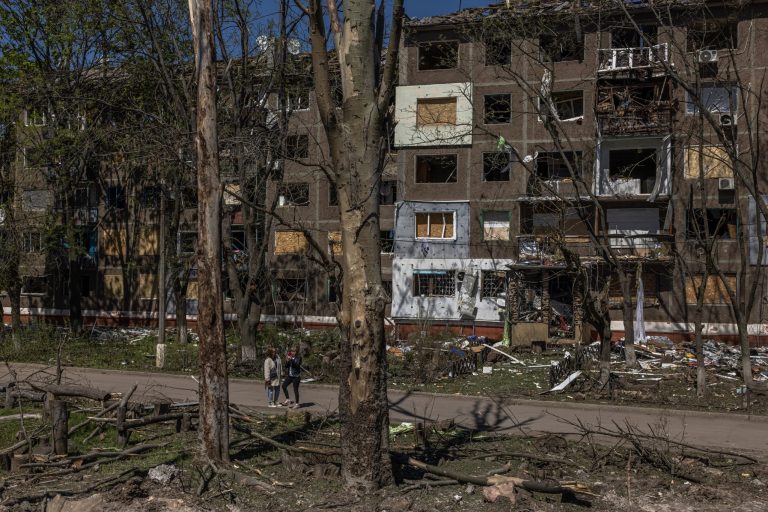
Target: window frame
[(691, 108), (287, 190), (484, 276), (454, 174), (455, 60), (488, 115), (483, 214), (429, 224), (449, 275)]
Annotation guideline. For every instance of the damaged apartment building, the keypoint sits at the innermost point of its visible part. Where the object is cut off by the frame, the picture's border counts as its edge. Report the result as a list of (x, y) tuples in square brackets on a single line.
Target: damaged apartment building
[(528, 131)]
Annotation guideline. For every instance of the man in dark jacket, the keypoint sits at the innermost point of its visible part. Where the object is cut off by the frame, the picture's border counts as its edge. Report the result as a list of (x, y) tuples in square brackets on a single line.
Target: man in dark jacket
[(293, 376)]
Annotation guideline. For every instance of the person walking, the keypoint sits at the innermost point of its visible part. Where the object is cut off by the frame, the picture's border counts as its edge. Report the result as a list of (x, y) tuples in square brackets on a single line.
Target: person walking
[(293, 377), (272, 375)]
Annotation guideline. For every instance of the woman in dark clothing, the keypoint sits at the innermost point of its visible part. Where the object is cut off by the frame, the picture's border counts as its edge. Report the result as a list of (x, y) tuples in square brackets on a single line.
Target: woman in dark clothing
[(292, 377)]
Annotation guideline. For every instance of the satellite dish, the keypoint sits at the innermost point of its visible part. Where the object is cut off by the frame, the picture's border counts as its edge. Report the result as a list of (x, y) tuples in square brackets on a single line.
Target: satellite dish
[(294, 46)]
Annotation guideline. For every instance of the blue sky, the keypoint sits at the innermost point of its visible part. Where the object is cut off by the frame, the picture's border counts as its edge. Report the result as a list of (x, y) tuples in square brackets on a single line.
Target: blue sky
[(421, 8)]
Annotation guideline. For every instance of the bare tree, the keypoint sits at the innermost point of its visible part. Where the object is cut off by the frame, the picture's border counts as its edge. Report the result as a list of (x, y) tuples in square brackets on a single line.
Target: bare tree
[(214, 386)]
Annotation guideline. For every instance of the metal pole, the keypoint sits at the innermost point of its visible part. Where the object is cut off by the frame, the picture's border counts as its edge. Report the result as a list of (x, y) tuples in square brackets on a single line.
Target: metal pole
[(161, 286)]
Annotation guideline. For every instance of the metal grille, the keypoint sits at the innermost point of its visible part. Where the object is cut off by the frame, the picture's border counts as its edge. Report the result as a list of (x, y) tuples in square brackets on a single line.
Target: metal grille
[(435, 284), (494, 284)]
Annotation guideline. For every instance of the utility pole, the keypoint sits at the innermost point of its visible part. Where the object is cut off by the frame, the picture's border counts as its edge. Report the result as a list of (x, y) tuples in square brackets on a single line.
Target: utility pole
[(160, 352)]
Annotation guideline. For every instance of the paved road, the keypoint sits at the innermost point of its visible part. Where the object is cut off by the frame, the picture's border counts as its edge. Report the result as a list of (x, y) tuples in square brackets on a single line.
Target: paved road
[(724, 431)]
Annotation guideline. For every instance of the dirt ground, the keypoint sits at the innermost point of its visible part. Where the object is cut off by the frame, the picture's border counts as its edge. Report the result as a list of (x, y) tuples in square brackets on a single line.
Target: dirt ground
[(622, 475)]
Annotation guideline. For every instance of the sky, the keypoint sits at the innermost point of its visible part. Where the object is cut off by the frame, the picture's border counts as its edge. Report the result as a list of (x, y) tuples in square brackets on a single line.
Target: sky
[(421, 8)]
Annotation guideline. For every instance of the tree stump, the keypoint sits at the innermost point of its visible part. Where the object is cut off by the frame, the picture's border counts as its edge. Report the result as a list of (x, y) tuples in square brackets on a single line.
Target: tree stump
[(122, 432), (60, 420)]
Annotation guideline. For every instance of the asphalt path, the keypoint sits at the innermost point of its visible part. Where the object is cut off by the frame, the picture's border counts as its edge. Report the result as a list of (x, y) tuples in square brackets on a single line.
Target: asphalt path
[(736, 432)]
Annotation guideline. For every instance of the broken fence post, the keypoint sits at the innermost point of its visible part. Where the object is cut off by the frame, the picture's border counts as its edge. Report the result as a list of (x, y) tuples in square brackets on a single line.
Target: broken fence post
[(60, 420)]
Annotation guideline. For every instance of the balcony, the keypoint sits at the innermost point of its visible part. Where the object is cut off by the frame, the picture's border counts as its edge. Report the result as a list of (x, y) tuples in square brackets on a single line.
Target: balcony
[(612, 60), (546, 250), (643, 109)]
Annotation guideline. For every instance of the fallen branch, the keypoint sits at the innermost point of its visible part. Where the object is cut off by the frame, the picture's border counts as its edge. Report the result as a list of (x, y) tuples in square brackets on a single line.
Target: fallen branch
[(244, 479), (73, 390), (285, 447), (542, 486), (14, 417), (104, 412), (428, 484)]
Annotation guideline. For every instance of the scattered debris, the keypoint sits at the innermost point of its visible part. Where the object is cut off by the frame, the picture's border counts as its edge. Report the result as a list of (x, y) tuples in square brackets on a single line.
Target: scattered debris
[(163, 473)]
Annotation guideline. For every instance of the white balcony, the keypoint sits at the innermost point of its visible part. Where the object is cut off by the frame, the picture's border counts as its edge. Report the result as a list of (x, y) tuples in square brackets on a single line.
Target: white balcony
[(628, 59)]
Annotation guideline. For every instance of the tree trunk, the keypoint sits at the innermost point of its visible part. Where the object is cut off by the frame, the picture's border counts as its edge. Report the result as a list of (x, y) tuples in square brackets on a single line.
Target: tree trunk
[(14, 295), (181, 316), (701, 374), (214, 391), (248, 324), (628, 314)]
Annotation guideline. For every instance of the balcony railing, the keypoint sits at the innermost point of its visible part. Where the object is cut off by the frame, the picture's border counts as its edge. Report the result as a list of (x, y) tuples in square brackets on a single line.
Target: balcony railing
[(546, 250), (628, 59)]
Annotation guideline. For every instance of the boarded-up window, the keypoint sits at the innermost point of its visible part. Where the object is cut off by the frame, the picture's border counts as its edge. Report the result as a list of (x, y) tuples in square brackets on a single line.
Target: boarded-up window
[(232, 194), (334, 243), (438, 225), (435, 111), (113, 286), (714, 160), (146, 288), (715, 292), (290, 242), (192, 290), (650, 290), (113, 243), (496, 225), (148, 242)]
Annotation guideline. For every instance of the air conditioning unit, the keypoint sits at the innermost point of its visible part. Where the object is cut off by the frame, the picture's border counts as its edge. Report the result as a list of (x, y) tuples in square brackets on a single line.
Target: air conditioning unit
[(725, 184), (727, 120), (707, 56)]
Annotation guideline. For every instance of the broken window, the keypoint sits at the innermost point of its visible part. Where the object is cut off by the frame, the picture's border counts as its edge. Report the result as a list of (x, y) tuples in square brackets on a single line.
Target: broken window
[(291, 242), (568, 105), (334, 243), (237, 239), (634, 109), (438, 55), (298, 99), (498, 108), (331, 290), (436, 168), (150, 197), (435, 225), (709, 223), (387, 241), (558, 165), (715, 291), (494, 284), (713, 34), (293, 194), (388, 192), (529, 298), (650, 290), (333, 195), (711, 161), (31, 242), (641, 36), (560, 46), (633, 169), (115, 197), (34, 285), (435, 112), (434, 283), (714, 99), (498, 51), (291, 290), (187, 242), (297, 147), (496, 166), (496, 225)]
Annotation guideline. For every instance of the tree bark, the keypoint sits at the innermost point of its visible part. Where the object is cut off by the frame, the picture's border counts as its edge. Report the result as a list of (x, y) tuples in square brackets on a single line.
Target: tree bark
[(214, 390), (60, 419), (628, 314), (14, 295)]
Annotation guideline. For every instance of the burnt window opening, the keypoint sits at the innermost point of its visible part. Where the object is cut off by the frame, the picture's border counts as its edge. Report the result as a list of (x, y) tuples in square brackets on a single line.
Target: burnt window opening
[(558, 165), (387, 241), (293, 194), (498, 51), (150, 197), (631, 37), (388, 192), (438, 55), (291, 290), (332, 290), (496, 166), (561, 46), (713, 34), (34, 285), (497, 108), (115, 197), (634, 165), (436, 112), (297, 147), (436, 168), (434, 283), (494, 284), (720, 223), (333, 195), (237, 239), (187, 242)]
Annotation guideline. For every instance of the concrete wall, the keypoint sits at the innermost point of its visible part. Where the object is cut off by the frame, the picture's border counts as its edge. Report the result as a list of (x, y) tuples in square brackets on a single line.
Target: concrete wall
[(406, 244)]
